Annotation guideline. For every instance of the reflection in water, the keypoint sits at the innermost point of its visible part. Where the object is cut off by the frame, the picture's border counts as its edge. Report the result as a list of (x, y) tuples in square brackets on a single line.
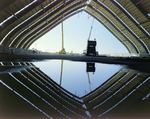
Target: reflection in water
[(74, 77), (61, 72), (144, 68), (90, 67), (116, 91)]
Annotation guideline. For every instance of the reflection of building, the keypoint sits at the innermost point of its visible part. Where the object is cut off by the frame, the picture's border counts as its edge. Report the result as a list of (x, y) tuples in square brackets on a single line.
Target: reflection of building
[(118, 94), (41, 92), (90, 67), (122, 95)]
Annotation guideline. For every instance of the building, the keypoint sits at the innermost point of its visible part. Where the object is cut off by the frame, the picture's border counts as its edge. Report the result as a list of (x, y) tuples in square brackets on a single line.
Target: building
[(23, 21)]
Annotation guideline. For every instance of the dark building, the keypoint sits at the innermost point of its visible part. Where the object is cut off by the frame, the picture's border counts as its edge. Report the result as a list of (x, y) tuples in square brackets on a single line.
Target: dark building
[(91, 48)]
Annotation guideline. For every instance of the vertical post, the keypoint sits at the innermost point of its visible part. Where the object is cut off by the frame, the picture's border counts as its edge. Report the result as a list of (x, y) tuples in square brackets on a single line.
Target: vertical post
[(62, 36)]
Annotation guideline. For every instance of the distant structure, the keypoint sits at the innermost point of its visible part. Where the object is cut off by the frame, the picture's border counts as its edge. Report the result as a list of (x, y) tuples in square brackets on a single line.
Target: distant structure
[(91, 48)]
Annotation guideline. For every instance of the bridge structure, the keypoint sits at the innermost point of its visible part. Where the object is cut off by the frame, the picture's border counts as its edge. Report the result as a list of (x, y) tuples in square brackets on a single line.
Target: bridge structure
[(22, 22)]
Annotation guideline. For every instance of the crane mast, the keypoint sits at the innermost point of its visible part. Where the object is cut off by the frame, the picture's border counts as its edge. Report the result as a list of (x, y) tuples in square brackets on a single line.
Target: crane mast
[(62, 51), (91, 29), (62, 35)]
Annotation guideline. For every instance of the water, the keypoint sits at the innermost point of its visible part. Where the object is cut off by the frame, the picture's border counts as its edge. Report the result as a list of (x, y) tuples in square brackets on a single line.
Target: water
[(90, 90), (74, 74)]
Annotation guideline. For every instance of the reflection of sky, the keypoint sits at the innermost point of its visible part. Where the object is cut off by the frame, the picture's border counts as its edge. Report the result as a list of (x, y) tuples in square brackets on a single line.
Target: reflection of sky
[(74, 77), (76, 33)]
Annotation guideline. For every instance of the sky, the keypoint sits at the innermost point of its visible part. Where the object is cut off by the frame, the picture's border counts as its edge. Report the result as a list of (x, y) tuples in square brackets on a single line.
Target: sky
[(76, 33)]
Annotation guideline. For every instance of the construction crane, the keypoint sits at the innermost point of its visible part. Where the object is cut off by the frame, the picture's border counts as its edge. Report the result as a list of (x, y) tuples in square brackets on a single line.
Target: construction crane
[(86, 50), (91, 29), (62, 51)]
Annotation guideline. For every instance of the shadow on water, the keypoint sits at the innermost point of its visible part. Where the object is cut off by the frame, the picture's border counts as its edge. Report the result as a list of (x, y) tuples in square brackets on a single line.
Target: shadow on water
[(143, 68), (88, 90)]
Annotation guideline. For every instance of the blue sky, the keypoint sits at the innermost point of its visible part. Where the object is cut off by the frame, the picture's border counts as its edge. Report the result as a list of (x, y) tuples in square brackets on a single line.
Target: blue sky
[(76, 33)]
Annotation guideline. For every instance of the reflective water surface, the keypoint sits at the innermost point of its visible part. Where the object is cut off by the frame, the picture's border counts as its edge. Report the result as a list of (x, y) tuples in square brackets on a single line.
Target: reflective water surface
[(75, 77), (67, 89)]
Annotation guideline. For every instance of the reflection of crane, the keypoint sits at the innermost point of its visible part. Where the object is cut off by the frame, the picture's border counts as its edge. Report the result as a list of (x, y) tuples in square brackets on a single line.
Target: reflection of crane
[(63, 49), (62, 52), (86, 50), (89, 81), (61, 71)]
